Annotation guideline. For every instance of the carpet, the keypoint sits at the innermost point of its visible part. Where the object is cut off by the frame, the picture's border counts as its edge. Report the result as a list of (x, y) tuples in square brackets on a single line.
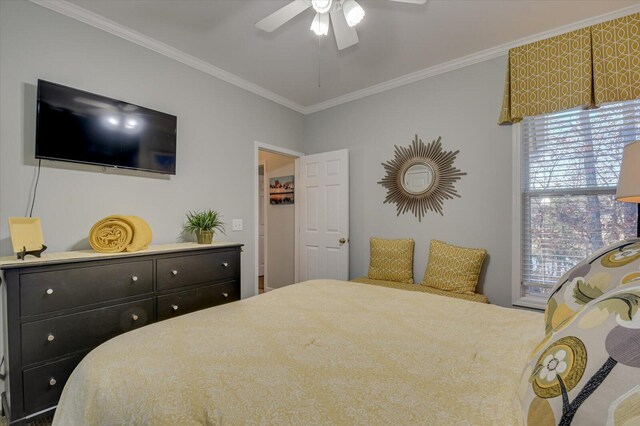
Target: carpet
[(42, 421)]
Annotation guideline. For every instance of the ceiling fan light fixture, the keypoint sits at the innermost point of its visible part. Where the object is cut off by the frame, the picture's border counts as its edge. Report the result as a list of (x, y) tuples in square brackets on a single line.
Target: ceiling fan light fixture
[(353, 12), (321, 6), (320, 24)]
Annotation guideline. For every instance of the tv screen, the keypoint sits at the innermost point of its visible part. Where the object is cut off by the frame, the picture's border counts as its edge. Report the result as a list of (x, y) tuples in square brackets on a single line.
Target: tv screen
[(82, 127)]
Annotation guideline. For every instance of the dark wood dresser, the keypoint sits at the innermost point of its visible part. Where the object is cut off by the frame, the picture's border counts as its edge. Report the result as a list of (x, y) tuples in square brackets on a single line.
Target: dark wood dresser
[(56, 309)]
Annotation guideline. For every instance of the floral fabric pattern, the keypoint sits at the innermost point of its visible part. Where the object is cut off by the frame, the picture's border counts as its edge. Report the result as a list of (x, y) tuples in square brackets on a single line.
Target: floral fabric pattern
[(607, 270), (563, 365), (587, 369)]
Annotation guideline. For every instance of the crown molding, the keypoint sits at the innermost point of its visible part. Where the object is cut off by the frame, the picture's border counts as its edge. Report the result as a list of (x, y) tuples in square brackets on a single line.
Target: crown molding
[(93, 19), (445, 67), (83, 15), (465, 61)]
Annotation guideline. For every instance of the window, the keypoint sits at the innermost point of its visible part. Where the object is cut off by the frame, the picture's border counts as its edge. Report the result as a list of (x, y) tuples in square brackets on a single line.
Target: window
[(569, 164)]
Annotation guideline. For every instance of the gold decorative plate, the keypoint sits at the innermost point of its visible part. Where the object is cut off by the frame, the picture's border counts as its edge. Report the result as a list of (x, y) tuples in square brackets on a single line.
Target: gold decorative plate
[(26, 233)]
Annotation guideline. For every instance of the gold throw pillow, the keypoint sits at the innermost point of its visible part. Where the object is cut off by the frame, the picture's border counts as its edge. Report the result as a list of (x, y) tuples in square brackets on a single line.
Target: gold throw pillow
[(391, 260), (453, 268)]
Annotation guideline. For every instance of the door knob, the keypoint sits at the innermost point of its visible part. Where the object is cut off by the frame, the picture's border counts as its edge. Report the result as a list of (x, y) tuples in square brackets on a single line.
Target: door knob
[(174, 272), (174, 307), (134, 317), (343, 240)]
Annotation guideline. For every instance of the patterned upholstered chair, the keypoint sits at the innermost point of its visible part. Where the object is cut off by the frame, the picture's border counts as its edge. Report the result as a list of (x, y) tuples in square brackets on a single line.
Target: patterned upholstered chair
[(587, 368)]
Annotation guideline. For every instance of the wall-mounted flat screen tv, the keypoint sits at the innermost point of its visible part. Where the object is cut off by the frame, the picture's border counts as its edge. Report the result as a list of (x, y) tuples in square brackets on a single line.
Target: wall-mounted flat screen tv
[(81, 127)]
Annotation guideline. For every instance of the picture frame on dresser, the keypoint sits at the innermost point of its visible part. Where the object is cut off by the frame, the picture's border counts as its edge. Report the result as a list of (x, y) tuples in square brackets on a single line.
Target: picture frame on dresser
[(58, 308)]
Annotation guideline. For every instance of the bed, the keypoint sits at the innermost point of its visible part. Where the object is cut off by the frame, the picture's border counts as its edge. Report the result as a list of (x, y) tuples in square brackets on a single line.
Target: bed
[(317, 352)]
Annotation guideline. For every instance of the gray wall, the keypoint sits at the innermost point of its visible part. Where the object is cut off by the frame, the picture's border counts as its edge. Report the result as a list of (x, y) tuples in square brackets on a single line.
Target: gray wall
[(217, 126), (280, 253), (462, 106)]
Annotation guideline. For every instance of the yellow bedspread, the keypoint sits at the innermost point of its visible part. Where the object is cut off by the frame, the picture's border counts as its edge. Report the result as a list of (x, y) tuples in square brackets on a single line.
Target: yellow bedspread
[(318, 352), (475, 297)]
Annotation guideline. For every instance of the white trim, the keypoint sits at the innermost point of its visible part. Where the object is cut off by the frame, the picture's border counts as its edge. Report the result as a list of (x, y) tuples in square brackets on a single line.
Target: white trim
[(516, 215), (531, 302), (517, 296), (258, 146), (265, 276), (465, 61), (83, 15), (277, 149), (266, 289), (445, 67), (296, 221), (265, 185), (256, 218)]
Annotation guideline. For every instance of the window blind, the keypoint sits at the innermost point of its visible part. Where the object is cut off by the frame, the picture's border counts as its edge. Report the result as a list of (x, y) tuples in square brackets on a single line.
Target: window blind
[(570, 167)]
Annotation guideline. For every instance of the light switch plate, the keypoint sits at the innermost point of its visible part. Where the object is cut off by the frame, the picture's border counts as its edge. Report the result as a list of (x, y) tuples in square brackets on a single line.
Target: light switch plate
[(236, 224)]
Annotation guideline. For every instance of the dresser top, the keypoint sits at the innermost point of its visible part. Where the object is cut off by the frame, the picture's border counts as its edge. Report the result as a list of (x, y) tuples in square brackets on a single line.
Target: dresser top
[(8, 262)]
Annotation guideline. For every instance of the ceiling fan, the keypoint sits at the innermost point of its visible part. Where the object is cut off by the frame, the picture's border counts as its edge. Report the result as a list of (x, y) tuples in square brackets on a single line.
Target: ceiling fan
[(345, 14)]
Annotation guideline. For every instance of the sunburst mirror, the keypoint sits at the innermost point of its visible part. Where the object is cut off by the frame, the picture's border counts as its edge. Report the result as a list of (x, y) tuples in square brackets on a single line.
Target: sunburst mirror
[(421, 177)]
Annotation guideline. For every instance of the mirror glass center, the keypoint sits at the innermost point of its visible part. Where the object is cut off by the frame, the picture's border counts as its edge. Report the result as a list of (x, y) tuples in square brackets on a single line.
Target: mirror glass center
[(417, 178)]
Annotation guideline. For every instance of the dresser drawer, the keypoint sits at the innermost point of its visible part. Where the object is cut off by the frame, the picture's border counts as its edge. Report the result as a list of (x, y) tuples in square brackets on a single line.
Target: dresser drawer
[(187, 270), (42, 340), (43, 385), (183, 302), (42, 292)]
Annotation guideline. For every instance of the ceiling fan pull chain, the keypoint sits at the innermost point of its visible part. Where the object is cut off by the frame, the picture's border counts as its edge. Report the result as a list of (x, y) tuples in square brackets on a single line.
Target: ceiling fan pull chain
[(319, 38)]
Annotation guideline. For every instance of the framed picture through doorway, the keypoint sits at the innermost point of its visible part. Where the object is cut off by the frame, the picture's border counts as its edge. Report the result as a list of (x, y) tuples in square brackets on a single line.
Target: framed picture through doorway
[(281, 190)]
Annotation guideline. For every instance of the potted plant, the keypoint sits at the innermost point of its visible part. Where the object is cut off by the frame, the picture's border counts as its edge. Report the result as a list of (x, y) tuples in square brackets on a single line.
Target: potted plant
[(204, 224)]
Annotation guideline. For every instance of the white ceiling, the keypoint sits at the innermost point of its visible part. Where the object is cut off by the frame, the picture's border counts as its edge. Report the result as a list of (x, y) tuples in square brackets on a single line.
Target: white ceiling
[(396, 39)]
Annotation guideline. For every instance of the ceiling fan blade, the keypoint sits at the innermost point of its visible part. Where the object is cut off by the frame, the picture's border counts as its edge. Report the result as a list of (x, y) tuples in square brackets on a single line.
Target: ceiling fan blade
[(280, 16), (411, 1), (345, 35)]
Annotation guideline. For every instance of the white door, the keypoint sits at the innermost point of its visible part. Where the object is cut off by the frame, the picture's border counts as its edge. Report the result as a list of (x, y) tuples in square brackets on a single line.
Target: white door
[(261, 246), (324, 215)]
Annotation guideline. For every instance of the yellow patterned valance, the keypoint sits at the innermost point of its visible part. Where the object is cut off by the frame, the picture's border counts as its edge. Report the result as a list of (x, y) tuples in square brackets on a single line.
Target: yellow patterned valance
[(616, 59), (584, 68)]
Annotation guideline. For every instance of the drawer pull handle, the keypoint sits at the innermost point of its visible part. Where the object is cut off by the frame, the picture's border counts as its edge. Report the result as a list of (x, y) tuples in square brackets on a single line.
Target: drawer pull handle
[(225, 294), (49, 291), (134, 278), (51, 337), (174, 307), (225, 264), (52, 382), (174, 272), (134, 317)]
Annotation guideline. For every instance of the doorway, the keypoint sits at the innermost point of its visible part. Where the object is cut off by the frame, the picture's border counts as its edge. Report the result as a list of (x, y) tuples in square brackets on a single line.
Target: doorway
[(262, 190), (277, 239), (320, 221)]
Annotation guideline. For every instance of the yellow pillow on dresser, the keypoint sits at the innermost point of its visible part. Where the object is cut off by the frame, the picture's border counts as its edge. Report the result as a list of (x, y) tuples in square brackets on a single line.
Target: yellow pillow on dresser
[(391, 260), (453, 268)]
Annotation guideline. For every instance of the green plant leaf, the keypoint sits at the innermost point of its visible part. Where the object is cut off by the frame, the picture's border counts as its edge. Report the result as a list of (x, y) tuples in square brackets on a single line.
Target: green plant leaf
[(206, 220)]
